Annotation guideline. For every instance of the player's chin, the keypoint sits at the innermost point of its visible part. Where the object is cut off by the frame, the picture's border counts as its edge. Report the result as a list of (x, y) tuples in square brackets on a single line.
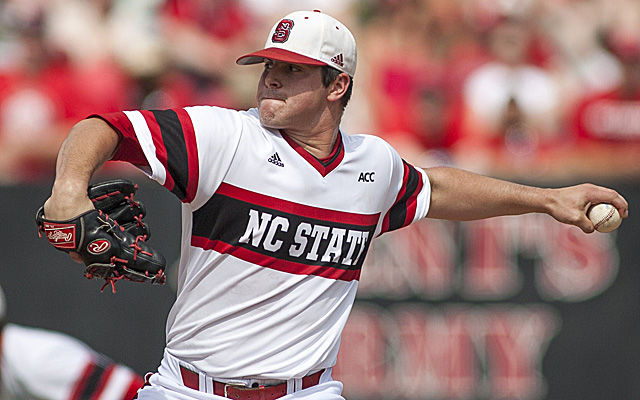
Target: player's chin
[(269, 119)]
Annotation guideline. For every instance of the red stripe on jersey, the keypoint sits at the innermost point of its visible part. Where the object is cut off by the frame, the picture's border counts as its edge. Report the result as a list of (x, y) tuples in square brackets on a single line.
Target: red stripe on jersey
[(412, 202), (129, 149), (406, 202), (385, 225), (136, 384), (302, 210), (275, 263), (192, 154), (161, 150), (102, 383), (82, 382)]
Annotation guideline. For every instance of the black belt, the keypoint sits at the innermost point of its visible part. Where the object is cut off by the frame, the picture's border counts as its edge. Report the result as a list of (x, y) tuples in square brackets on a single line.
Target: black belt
[(191, 380)]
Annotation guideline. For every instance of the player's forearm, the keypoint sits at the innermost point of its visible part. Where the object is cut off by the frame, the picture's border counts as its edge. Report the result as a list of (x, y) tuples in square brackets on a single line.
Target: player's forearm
[(89, 144), (463, 196)]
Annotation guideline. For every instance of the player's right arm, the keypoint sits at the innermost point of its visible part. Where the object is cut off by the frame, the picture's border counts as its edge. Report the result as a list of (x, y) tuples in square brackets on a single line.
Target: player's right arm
[(464, 196), (89, 144)]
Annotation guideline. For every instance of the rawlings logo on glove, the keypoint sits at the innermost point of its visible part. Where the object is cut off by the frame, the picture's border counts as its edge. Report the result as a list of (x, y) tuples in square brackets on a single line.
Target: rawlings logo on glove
[(111, 240), (61, 236), (98, 246)]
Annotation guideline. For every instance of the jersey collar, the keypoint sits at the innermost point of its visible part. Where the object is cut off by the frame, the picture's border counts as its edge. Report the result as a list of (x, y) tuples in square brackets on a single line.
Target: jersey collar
[(324, 165)]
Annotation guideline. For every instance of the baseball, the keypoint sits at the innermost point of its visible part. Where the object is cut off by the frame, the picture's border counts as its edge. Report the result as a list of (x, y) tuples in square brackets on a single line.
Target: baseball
[(605, 217)]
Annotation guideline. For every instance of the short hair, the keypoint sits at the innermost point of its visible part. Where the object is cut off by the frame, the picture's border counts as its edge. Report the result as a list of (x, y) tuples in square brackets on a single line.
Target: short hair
[(329, 74)]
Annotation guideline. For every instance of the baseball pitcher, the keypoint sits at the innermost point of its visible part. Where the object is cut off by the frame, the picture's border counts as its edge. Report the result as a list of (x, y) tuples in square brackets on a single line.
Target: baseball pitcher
[(279, 208)]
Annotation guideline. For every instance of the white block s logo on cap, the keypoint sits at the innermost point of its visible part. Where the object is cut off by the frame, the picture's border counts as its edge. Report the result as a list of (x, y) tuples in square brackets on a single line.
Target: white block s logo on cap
[(281, 31)]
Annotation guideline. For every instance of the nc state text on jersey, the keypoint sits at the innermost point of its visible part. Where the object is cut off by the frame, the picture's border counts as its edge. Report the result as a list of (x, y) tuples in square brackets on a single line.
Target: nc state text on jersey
[(277, 233), (262, 229)]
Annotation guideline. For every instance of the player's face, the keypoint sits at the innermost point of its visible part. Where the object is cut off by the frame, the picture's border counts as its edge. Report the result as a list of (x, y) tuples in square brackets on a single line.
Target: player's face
[(291, 96)]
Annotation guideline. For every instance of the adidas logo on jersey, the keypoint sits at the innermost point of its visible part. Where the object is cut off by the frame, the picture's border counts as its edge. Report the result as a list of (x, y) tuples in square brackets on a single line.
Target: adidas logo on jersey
[(339, 60), (275, 159)]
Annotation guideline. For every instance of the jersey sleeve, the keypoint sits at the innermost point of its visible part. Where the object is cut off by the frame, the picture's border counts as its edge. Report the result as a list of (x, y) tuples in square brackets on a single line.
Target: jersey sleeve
[(103, 379), (42, 364), (172, 145), (413, 196)]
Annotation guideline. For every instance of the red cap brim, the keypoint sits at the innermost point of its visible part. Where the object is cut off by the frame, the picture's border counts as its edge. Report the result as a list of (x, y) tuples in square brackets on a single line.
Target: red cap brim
[(274, 53)]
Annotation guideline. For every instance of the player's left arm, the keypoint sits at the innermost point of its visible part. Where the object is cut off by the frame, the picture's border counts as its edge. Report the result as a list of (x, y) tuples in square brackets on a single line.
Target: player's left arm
[(461, 195), (87, 147)]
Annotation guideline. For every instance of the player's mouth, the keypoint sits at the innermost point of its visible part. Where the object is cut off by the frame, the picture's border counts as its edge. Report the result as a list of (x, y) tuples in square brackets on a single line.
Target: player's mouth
[(271, 97), (270, 101)]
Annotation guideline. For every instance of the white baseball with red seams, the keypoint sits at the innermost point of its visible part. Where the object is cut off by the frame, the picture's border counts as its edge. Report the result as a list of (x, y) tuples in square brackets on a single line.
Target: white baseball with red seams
[(605, 217)]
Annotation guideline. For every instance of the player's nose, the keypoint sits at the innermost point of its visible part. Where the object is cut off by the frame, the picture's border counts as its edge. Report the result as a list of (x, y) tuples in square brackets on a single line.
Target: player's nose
[(270, 79), (272, 82)]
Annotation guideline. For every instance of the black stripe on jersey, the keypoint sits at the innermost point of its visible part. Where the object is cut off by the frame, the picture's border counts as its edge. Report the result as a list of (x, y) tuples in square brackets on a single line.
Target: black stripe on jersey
[(398, 213), (92, 382), (177, 158), (289, 237)]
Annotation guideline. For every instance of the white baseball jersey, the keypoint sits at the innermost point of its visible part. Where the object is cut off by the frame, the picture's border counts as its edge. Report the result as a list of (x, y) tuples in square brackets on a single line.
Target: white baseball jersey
[(273, 238), (42, 364)]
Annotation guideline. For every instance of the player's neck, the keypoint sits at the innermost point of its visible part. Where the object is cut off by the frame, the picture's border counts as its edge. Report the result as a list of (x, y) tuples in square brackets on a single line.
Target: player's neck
[(320, 145)]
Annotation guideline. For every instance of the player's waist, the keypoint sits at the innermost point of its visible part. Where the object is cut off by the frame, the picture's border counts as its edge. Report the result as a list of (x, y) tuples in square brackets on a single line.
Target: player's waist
[(189, 376), (246, 389)]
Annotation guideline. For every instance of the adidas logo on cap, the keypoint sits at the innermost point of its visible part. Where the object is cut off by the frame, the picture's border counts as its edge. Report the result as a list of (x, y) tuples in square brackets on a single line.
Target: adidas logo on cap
[(339, 59)]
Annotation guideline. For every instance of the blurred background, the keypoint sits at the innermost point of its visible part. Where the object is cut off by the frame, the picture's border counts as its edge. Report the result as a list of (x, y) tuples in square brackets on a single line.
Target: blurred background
[(545, 92)]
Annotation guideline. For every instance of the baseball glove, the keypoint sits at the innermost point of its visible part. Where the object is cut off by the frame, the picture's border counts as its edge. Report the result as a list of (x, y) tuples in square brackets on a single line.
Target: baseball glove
[(111, 239), (115, 198)]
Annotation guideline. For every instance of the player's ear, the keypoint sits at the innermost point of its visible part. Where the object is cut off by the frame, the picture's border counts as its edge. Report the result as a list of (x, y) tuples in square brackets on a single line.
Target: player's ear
[(339, 87)]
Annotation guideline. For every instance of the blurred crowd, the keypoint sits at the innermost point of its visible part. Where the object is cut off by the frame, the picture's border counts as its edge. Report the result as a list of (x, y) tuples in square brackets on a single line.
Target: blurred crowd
[(527, 89)]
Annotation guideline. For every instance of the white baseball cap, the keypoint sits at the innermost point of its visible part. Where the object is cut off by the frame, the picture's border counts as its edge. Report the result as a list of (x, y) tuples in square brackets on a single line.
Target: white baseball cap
[(308, 37)]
